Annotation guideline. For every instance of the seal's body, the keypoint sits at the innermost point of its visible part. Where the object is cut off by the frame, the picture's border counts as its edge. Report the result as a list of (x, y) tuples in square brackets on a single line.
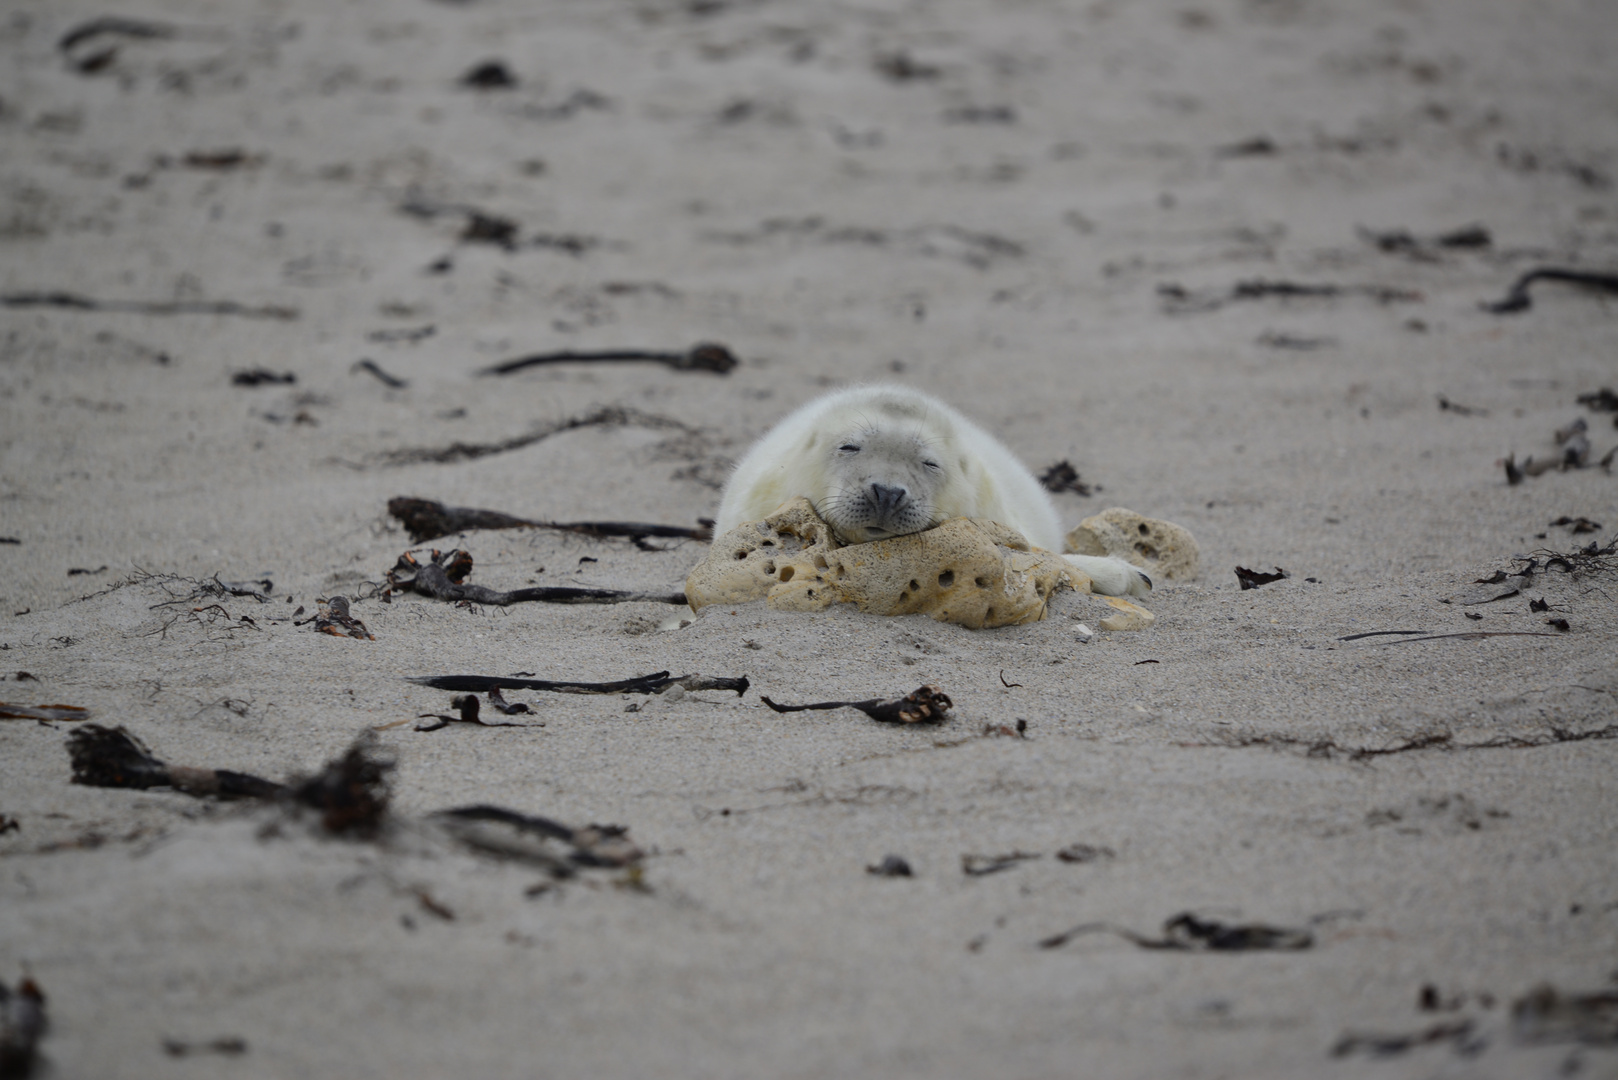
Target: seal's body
[(881, 461)]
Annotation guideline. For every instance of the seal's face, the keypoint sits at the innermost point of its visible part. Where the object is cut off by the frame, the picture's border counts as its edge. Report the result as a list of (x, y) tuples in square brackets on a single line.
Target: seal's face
[(885, 477)]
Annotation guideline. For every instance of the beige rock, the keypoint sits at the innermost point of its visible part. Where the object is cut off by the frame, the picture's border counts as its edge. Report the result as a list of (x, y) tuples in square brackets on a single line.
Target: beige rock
[(1130, 616), (969, 572), (1161, 548)]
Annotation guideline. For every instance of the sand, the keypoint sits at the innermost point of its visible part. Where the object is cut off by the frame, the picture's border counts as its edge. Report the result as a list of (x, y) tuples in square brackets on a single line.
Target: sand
[(983, 201)]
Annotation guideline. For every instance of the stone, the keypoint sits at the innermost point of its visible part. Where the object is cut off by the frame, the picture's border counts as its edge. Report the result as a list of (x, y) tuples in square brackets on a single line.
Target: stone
[(1131, 616), (970, 572), (1166, 551)]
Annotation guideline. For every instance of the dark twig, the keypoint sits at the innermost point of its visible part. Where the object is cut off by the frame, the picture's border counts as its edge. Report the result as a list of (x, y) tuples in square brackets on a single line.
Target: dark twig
[(925, 704), (655, 683), (77, 302), (441, 579), (1517, 298), (426, 520), (707, 356), (1187, 932)]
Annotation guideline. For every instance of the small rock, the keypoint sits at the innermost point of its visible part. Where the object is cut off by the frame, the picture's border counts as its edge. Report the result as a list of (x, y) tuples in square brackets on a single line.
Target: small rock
[(1161, 548), (1130, 616)]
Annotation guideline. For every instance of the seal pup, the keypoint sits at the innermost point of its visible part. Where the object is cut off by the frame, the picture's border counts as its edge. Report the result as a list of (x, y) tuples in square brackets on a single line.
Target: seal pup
[(883, 461)]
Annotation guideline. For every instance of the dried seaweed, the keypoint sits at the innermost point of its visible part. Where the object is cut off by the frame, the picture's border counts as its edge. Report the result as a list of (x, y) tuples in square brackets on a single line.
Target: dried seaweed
[(22, 1023), (983, 865), (442, 575), (1064, 477), (1252, 579), (466, 713), (1189, 933), (655, 683), (77, 302), (498, 831), (114, 757), (891, 866), (1179, 300), (371, 367), (426, 520), (1547, 1015), (704, 356), (334, 619), (1330, 749), (9, 711), (926, 704), (1517, 298), (608, 416), (351, 792), (1458, 1032)]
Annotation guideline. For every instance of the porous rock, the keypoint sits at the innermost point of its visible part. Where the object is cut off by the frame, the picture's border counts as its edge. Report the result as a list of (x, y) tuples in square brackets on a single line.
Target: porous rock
[(1161, 548), (966, 571)]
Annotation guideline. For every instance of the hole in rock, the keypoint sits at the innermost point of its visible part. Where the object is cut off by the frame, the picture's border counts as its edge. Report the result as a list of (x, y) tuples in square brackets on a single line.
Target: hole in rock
[(946, 579)]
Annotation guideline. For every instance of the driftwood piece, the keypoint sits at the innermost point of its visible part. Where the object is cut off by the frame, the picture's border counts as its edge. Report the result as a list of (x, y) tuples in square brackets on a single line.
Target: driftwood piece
[(442, 576)]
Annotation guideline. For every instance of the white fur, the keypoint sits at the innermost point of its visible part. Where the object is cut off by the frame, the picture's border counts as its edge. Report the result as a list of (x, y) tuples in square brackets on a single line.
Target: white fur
[(941, 465)]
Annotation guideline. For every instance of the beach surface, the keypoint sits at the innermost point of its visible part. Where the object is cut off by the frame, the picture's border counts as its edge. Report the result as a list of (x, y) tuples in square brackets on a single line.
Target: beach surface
[(1228, 259)]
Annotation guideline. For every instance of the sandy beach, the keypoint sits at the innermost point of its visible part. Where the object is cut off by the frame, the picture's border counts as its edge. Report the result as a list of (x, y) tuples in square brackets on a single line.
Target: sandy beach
[(1228, 259)]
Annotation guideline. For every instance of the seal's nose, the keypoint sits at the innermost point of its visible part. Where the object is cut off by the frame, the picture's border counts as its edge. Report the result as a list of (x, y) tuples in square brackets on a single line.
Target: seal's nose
[(887, 499)]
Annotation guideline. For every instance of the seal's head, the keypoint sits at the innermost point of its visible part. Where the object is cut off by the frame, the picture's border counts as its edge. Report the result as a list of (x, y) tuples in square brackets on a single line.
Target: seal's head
[(886, 468)]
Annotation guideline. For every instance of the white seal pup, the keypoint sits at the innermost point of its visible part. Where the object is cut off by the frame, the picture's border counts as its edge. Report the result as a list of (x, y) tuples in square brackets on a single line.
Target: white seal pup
[(881, 461)]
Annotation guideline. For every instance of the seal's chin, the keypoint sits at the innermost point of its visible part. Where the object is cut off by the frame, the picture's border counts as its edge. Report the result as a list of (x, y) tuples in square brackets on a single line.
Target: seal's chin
[(865, 534)]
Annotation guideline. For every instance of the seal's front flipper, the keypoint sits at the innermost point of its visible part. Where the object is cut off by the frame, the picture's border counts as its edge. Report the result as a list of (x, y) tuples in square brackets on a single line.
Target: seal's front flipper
[(1112, 577)]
